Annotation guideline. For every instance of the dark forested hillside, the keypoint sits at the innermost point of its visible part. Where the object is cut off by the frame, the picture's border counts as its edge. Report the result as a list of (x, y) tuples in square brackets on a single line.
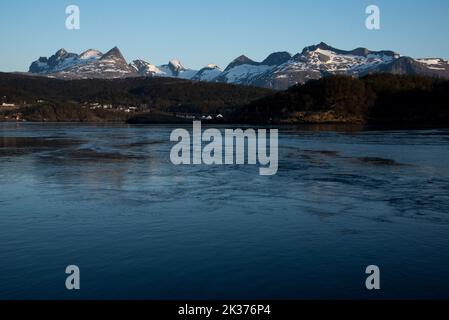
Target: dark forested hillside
[(160, 94), (377, 98)]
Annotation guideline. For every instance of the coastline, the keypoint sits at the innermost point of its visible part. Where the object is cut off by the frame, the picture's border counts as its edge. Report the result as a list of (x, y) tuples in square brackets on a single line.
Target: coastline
[(307, 126)]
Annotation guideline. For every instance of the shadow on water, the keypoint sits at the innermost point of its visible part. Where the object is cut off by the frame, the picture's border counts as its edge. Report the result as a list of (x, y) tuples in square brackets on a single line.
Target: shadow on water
[(89, 155), (319, 157), (12, 146)]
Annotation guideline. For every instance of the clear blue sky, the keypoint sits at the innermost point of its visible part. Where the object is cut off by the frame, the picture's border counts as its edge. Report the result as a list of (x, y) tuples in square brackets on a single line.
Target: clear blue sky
[(216, 31)]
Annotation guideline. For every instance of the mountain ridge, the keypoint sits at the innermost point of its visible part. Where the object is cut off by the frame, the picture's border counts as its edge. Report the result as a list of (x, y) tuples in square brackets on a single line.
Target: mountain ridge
[(279, 71)]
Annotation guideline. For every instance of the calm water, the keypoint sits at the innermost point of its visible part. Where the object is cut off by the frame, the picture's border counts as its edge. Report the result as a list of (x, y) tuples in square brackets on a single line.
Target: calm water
[(107, 199)]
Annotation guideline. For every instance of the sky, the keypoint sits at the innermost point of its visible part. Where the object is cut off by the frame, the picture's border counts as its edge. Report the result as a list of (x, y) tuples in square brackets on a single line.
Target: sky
[(200, 32)]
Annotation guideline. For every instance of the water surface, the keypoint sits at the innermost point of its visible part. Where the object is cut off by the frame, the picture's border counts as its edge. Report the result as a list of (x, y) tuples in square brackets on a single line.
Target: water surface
[(108, 199)]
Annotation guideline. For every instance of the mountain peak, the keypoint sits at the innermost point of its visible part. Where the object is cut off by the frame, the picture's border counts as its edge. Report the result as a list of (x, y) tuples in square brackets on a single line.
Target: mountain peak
[(140, 62), (114, 53), (241, 60), (61, 52), (90, 53), (321, 45), (212, 66), (177, 64), (362, 52), (277, 58), (144, 68)]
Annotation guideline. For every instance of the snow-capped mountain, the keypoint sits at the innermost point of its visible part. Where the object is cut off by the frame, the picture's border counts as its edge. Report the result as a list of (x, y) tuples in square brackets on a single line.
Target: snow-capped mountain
[(62, 60), (242, 70), (89, 64), (279, 70), (434, 63), (90, 54), (108, 66), (321, 60), (425, 67), (175, 69), (208, 73), (145, 69)]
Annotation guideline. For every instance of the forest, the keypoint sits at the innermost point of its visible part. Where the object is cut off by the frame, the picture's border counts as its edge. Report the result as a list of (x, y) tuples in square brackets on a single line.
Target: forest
[(46, 99), (378, 99)]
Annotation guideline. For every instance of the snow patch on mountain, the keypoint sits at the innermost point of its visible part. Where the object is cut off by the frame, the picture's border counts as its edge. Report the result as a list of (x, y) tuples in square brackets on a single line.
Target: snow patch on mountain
[(434, 63), (244, 73), (208, 73), (342, 63), (145, 69), (90, 54), (175, 69)]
